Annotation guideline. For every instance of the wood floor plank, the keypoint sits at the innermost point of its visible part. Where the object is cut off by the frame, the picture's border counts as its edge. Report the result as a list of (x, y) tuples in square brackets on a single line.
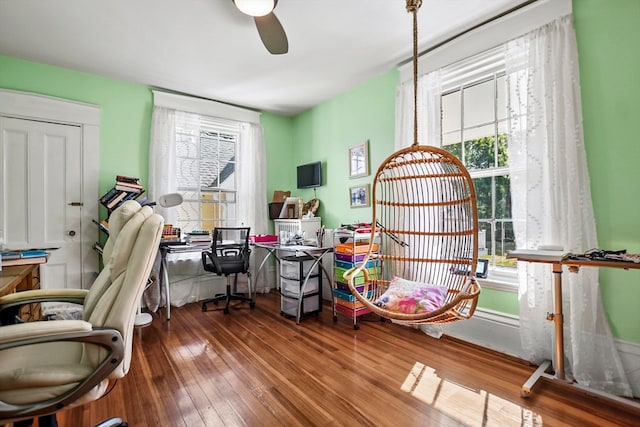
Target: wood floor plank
[(258, 368)]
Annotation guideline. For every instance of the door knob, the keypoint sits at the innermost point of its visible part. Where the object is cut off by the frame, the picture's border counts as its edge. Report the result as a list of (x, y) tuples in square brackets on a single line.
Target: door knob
[(71, 233)]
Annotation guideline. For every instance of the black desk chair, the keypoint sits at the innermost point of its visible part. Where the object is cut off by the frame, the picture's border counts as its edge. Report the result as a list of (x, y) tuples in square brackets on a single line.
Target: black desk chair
[(229, 256)]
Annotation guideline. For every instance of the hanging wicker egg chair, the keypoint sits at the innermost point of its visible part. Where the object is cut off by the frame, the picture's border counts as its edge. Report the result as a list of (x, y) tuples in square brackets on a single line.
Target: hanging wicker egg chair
[(424, 245), (425, 227)]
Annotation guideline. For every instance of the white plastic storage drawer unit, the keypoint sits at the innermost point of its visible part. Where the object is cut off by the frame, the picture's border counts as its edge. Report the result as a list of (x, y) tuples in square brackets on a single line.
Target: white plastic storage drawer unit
[(292, 287), (293, 272), (289, 306), (290, 267)]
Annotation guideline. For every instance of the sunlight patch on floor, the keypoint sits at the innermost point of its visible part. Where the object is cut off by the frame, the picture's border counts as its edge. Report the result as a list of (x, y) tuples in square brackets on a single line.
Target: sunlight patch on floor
[(469, 406)]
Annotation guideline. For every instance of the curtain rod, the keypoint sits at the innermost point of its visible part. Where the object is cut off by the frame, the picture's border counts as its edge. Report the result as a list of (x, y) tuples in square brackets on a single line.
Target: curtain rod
[(468, 30)]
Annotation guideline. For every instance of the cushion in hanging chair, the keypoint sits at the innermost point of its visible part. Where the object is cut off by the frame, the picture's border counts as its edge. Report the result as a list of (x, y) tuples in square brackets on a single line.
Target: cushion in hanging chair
[(406, 296)]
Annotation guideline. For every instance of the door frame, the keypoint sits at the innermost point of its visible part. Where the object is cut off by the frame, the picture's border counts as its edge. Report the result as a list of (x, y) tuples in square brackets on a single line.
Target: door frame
[(32, 106)]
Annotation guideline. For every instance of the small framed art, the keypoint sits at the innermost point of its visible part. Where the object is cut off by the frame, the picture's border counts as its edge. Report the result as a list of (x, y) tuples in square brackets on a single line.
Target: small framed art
[(359, 196), (359, 160)]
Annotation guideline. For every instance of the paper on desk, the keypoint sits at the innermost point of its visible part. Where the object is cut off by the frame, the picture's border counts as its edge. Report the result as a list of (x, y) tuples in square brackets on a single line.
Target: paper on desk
[(537, 255)]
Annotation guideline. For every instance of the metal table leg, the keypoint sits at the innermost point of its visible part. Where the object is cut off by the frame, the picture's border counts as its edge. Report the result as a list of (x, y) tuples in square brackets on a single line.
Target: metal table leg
[(165, 279)]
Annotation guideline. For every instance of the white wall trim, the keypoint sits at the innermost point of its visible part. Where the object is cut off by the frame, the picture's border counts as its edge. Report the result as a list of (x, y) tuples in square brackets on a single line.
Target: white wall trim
[(490, 35), (630, 355), (204, 107), (490, 329), (32, 106)]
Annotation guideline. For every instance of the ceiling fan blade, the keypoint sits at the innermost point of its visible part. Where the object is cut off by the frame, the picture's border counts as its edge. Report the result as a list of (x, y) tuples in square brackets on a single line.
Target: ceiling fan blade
[(272, 34)]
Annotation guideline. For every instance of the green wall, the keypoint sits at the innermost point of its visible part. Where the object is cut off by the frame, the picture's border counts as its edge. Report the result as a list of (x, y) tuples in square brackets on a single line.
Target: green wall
[(278, 140), (325, 134), (125, 111), (607, 34)]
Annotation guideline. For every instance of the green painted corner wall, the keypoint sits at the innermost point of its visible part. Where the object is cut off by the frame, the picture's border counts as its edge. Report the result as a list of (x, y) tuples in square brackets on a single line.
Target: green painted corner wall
[(125, 111), (325, 133), (278, 140), (608, 36)]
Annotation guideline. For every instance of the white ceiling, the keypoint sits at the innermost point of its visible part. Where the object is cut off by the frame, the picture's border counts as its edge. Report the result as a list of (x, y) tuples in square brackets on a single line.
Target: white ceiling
[(207, 48)]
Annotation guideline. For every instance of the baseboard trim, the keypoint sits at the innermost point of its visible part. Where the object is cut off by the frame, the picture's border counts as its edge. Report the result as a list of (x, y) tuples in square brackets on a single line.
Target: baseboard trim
[(490, 329), (501, 332)]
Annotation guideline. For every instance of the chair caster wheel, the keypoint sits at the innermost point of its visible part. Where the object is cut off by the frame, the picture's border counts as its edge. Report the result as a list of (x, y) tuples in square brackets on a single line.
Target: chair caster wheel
[(335, 318), (225, 310), (204, 307), (252, 305), (356, 327)]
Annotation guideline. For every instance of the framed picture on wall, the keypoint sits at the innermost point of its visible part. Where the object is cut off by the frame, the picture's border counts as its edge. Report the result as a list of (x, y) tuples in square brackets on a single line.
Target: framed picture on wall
[(359, 160), (359, 196)]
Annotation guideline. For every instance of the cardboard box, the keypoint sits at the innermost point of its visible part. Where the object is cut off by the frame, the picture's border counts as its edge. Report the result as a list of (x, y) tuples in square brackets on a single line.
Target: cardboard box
[(280, 196)]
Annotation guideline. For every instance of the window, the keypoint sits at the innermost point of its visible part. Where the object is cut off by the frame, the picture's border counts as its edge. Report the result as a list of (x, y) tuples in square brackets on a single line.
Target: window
[(206, 159), (474, 128)]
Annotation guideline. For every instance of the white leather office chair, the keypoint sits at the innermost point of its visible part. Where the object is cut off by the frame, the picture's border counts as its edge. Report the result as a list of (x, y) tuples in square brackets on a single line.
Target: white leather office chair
[(52, 365)]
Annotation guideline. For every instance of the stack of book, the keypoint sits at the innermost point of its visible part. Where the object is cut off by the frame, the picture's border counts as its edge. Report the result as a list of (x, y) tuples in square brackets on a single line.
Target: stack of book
[(126, 188), (199, 238), (170, 232), (36, 256)]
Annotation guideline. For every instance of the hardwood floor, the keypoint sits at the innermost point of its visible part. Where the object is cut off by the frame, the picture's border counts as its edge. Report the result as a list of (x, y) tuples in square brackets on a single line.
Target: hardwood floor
[(257, 368)]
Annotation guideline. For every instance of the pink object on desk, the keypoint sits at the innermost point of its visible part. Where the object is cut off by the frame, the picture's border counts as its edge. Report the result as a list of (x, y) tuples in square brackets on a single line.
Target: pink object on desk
[(263, 238)]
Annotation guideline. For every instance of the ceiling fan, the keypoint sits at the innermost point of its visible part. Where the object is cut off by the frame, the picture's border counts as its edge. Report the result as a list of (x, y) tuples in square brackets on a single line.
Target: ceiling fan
[(269, 27)]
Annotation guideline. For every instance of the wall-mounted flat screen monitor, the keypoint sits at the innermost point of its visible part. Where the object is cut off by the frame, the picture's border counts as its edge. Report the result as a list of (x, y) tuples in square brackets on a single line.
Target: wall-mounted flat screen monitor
[(309, 175)]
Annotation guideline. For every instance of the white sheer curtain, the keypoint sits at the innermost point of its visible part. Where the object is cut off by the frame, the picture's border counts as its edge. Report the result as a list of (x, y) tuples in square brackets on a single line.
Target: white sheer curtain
[(252, 178), (252, 190), (162, 158), (552, 204), (429, 92)]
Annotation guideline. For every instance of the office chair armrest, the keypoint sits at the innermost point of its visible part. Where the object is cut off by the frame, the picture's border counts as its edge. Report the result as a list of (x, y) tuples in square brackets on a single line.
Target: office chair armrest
[(24, 333), (208, 256), (11, 304), (44, 295), (62, 330)]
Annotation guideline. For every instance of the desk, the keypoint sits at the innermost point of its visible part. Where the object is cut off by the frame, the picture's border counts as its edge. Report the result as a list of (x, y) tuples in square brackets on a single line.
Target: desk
[(557, 260), (275, 249), (22, 278), (173, 248)]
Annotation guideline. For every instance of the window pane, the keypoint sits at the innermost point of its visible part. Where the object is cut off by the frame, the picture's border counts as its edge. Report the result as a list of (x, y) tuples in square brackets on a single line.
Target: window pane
[(451, 118), (479, 104), (479, 151), (484, 239), (484, 197), (188, 216), (503, 197), (501, 101), (451, 138), (227, 175), (455, 149), (187, 171), (505, 241), (206, 163), (503, 155), (186, 145)]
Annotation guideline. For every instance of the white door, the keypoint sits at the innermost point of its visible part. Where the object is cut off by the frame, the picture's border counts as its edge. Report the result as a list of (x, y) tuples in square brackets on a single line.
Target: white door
[(41, 195)]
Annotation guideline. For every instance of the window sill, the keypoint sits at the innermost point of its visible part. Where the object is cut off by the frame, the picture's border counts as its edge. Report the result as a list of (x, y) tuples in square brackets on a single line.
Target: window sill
[(500, 282)]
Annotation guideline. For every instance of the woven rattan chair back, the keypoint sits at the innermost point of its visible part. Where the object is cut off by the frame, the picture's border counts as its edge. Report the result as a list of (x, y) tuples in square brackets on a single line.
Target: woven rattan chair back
[(425, 220)]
